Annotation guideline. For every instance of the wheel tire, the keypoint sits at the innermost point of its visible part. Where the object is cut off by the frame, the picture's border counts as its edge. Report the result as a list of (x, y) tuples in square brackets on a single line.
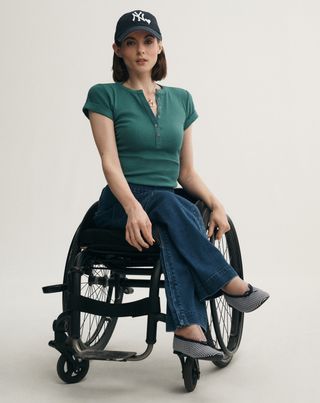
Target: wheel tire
[(225, 322), (222, 362), (72, 373), (95, 331), (190, 373)]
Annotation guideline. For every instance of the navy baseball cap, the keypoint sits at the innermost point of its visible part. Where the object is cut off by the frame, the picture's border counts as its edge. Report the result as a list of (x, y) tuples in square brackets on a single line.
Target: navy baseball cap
[(134, 21)]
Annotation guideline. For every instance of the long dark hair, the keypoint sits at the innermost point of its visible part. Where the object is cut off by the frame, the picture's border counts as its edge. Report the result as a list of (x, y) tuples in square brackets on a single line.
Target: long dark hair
[(120, 71)]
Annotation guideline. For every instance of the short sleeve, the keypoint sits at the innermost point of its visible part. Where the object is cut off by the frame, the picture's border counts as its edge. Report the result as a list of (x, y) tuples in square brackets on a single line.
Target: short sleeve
[(98, 100), (191, 113)]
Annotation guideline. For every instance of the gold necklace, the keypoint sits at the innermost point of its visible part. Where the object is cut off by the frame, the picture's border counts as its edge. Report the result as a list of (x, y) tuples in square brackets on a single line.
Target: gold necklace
[(150, 100)]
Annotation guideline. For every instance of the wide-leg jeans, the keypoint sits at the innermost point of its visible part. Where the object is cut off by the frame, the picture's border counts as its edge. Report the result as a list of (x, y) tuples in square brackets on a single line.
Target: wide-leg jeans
[(194, 269)]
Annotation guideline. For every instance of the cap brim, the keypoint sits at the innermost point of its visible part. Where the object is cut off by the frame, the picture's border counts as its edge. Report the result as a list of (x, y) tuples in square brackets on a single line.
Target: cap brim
[(139, 28)]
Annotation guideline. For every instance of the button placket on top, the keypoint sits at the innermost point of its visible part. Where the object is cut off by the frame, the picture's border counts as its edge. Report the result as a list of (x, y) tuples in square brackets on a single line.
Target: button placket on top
[(154, 118)]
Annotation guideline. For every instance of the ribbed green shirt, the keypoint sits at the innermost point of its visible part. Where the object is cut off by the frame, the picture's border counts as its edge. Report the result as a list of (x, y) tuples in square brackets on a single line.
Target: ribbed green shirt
[(148, 145)]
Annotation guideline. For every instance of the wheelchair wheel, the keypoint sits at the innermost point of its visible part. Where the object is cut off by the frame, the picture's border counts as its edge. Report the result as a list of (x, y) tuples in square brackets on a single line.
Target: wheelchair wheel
[(191, 373), (225, 322), (95, 330), (72, 372)]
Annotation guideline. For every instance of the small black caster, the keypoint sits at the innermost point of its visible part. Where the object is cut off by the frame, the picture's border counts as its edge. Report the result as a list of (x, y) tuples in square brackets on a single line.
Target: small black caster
[(190, 371), (72, 372)]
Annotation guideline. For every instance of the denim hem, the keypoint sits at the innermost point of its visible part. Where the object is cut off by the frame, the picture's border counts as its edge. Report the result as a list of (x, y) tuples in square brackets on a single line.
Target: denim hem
[(217, 281), (171, 284), (192, 319)]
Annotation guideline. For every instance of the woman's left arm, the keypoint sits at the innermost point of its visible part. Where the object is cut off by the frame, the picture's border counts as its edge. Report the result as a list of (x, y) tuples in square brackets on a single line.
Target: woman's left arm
[(193, 184)]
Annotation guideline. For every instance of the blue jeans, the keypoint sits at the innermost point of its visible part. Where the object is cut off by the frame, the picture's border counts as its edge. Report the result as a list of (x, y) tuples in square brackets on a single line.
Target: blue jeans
[(194, 269)]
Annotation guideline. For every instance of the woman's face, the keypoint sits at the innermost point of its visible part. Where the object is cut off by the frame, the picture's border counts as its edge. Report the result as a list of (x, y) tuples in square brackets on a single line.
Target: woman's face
[(139, 45)]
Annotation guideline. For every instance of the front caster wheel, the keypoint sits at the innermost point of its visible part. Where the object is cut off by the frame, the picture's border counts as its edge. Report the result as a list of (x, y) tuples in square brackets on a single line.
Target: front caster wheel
[(72, 372), (190, 373)]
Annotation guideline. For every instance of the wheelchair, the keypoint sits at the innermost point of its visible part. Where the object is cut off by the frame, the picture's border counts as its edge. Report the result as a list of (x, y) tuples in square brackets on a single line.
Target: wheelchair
[(94, 286)]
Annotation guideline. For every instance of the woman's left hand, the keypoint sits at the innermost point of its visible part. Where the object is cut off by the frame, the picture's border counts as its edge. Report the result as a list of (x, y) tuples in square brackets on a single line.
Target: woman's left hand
[(218, 218)]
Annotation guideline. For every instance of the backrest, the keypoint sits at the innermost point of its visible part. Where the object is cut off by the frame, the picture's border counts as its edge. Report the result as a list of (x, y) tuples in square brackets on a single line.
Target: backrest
[(182, 192), (87, 221)]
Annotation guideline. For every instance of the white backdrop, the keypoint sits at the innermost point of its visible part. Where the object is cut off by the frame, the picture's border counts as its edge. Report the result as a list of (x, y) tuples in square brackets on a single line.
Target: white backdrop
[(252, 68)]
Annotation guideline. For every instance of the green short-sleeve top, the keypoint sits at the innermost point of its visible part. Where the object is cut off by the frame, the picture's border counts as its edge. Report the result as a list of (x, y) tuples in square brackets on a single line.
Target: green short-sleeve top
[(148, 145)]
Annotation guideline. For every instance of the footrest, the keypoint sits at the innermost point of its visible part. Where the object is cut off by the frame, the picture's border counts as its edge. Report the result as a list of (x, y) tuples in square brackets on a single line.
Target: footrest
[(106, 355)]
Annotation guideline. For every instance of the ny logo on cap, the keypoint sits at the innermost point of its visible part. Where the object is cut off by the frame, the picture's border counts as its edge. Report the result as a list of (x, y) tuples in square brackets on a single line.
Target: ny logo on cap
[(140, 17)]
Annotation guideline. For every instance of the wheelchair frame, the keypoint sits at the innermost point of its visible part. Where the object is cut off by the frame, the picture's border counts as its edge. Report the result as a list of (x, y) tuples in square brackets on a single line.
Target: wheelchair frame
[(104, 258)]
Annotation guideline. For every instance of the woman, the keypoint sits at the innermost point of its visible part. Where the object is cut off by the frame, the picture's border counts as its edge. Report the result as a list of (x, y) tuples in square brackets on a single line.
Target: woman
[(143, 134)]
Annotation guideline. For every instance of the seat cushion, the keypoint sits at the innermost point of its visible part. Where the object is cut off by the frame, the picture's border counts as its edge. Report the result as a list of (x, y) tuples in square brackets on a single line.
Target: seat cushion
[(108, 239)]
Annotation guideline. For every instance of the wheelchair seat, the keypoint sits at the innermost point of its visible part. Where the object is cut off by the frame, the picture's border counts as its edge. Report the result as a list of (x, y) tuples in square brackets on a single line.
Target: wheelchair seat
[(113, 239), (110, 239)]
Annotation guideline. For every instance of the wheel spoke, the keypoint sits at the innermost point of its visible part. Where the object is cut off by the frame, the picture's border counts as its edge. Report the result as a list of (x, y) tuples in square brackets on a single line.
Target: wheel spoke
[(95, 285)]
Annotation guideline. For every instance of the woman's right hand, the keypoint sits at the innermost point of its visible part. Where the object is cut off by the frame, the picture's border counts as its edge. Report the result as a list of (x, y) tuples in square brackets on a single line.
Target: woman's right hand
[(138, 222)]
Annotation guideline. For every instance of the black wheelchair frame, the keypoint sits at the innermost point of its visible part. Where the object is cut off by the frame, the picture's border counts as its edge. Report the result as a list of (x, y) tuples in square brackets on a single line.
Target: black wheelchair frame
[(95, 282)]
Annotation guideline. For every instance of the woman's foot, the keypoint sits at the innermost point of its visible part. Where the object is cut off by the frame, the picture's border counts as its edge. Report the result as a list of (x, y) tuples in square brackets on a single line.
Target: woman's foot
[(249, 301), (191, 341), (196, 349), (191, 332), (236, 287)]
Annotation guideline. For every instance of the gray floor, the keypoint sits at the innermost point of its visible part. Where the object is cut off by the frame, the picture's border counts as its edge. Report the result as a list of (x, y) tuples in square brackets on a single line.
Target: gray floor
[(277, 360)]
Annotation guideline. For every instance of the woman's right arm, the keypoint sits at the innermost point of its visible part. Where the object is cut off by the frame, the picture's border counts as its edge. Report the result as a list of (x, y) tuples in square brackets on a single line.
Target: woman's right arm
[(104, 136)]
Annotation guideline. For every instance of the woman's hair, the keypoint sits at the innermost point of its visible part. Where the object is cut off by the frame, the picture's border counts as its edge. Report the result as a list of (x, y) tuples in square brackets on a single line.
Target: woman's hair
[(120, 71)]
